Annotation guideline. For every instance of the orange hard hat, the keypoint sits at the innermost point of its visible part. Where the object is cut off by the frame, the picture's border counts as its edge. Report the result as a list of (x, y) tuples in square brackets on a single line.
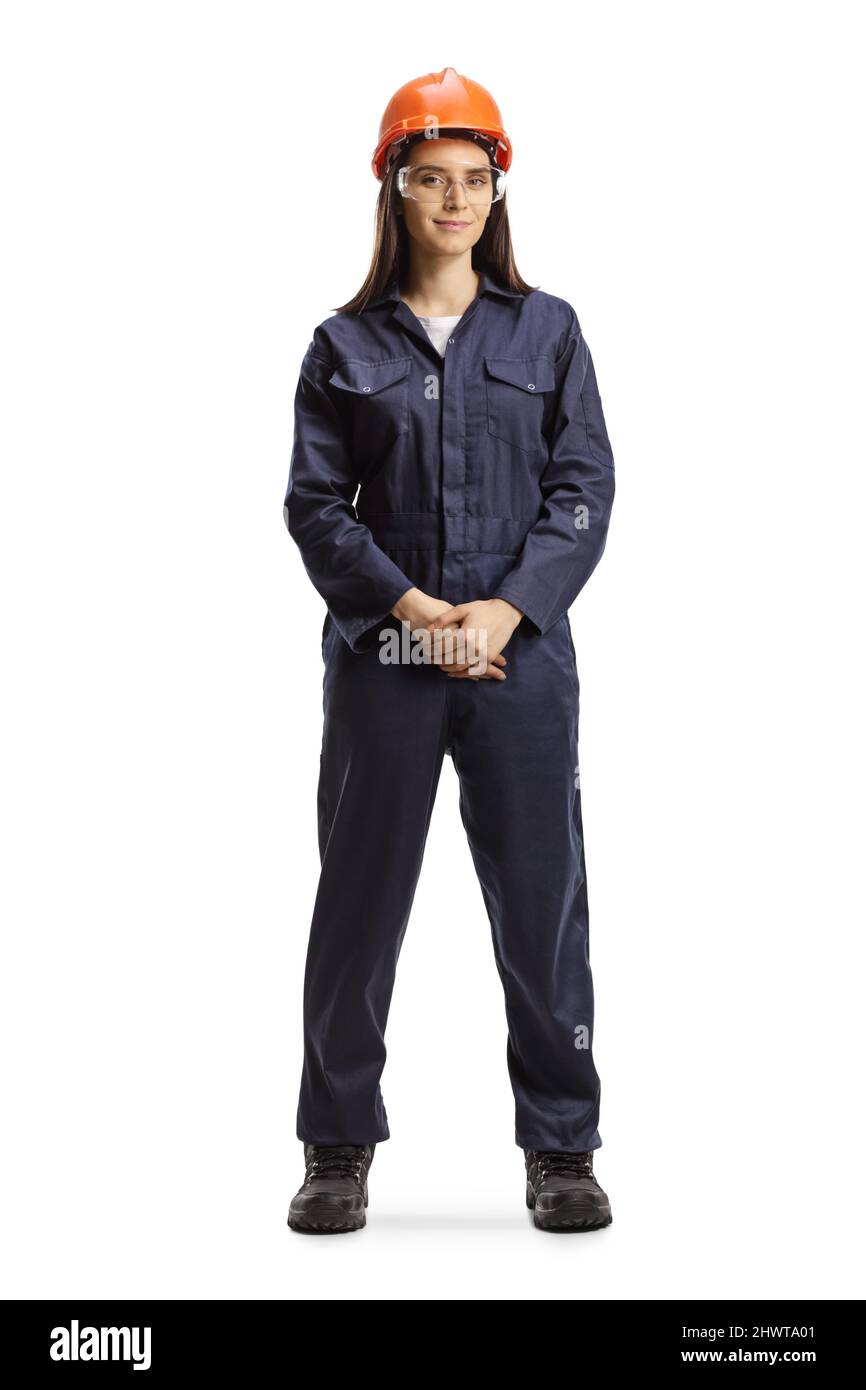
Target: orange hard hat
[(443, 101)]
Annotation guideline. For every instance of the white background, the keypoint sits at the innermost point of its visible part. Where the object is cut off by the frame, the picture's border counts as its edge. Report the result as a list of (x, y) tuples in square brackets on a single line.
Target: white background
[(187, 194)]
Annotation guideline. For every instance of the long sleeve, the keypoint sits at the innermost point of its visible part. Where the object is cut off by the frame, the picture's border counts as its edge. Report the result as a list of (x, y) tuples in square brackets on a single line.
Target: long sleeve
[(358, 581), (566, 543)]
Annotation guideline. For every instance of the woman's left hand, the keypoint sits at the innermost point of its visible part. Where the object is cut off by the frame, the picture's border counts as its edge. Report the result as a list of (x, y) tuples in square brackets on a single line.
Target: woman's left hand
[(486, 626)]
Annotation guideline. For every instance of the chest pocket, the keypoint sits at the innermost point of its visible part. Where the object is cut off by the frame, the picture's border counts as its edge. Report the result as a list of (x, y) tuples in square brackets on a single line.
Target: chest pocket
[(516, 388), (377, 401)]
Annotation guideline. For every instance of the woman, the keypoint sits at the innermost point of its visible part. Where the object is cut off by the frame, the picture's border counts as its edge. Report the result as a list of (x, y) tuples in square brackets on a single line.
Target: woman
[(465, 405)]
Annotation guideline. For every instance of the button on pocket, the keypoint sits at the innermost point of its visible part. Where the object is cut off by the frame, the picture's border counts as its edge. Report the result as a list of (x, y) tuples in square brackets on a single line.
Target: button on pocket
[(516, 389), (377, 399)]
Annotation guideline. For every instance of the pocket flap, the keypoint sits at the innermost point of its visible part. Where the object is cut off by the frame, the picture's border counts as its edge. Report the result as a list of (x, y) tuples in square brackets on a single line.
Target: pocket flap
[(369, 377), (528, 373)]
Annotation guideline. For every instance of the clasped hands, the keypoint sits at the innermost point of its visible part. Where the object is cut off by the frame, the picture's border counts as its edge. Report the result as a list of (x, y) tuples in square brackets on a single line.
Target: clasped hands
[(496, 618)]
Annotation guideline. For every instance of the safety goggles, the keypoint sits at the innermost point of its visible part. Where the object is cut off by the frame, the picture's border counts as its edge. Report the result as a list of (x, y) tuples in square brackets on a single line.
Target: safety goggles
[(431, 183)]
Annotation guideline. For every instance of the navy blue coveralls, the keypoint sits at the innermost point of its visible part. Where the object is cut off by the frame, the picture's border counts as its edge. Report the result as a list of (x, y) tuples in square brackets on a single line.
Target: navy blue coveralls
[(487, 472)]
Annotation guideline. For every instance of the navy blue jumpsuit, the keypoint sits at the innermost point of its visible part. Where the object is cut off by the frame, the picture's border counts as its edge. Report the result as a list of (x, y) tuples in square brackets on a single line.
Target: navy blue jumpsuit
[(485, 473)]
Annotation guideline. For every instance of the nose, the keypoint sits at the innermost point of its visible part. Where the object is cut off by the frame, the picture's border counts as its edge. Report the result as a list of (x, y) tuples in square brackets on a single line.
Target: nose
[(453, 198)]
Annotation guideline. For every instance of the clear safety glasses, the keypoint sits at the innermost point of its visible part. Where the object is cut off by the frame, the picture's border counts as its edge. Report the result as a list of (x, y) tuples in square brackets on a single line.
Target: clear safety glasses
[(431, 183)]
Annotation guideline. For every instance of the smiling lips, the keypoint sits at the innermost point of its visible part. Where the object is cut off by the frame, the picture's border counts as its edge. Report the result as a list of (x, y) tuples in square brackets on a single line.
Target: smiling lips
[(451, 226)]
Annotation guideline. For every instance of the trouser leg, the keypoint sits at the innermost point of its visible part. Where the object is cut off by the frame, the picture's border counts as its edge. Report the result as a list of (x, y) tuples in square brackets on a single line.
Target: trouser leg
[(382, 749), (515, 752)]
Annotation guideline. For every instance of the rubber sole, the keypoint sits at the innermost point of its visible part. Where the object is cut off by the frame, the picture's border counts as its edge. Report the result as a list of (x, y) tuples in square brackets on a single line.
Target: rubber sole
[(324, 1227), (560, 1222)]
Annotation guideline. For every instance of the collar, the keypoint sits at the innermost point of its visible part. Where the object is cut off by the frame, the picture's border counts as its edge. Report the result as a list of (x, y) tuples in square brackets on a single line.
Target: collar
[(486, 285)]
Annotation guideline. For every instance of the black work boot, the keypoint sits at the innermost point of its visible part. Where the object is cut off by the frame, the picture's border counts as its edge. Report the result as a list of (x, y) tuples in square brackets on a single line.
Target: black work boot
[(334, 1192), (563, 1193)]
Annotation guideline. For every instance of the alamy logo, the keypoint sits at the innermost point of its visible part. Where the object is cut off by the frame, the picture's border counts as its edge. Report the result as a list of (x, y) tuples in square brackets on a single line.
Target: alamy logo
[(102, 1344), (464, 646), (581, 1037)]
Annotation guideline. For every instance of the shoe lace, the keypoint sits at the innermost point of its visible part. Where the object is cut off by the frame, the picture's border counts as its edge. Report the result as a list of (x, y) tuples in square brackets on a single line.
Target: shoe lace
[(551, 1161), (336, 1160)]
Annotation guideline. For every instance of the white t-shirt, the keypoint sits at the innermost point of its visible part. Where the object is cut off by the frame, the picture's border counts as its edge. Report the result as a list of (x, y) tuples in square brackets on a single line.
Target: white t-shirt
[(439, 328)]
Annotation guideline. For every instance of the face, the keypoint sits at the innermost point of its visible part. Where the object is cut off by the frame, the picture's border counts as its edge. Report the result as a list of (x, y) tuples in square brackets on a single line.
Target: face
[(449, 223)]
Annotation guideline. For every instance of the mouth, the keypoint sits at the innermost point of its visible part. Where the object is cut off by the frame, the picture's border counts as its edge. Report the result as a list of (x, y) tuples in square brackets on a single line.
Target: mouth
[(450, 225)]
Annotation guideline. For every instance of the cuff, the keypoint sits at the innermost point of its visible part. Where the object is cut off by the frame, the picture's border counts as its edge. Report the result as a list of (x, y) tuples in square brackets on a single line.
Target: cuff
[(529, 607), (361, 633)]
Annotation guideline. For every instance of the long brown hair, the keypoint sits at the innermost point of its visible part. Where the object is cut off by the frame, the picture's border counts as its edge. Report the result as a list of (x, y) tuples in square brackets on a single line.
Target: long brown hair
[(492, 252)]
